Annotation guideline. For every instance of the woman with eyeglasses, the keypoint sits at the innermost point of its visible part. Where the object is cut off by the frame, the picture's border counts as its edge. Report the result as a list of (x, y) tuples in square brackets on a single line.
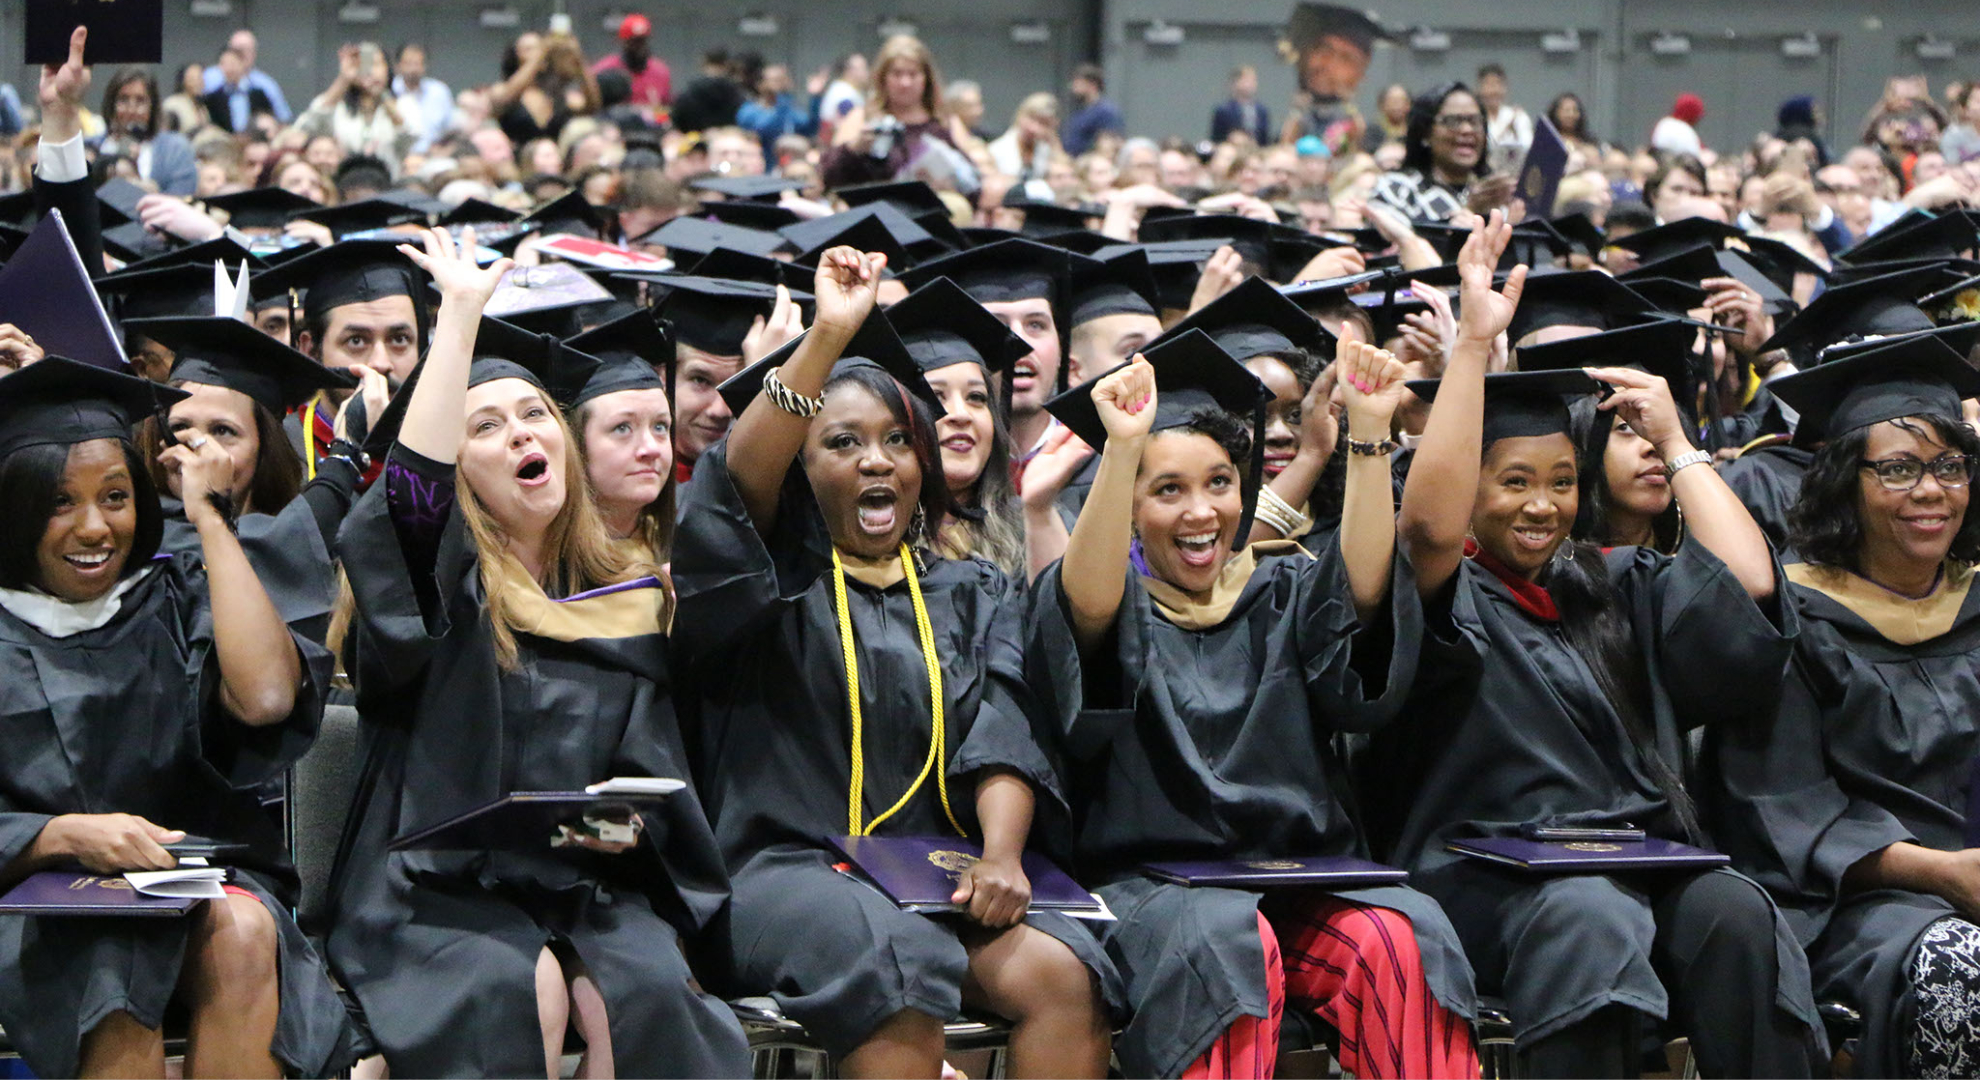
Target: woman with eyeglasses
[(1852, 804), (1444, 171)]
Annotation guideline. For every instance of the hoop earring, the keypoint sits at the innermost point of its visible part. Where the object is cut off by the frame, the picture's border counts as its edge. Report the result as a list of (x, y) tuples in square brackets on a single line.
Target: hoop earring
[(918, 525), (1565, 552)]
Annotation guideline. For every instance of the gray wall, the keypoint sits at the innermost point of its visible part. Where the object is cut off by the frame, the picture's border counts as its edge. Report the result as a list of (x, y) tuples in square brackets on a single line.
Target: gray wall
[(1735, 64), (299, 38)]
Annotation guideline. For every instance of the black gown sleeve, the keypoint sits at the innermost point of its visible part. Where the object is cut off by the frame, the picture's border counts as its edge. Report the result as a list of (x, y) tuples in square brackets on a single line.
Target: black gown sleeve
[(408, 557), (728, 579), (244, 755), (1005, 733), (76, 200), (1719, 654), (1077, 706), (1357, 676)]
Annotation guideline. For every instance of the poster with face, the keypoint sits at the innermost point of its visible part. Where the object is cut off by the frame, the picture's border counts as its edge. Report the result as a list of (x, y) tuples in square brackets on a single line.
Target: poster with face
[(1329, 47)]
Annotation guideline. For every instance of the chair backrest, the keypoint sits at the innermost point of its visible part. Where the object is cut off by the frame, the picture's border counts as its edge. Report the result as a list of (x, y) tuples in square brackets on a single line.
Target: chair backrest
[(319, 800)]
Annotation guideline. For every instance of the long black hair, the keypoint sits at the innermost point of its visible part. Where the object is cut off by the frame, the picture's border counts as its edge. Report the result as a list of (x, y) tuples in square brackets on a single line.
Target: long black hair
[(1593, 429), (1423, 117), (1823, 526), (30, 479), (933, 499)]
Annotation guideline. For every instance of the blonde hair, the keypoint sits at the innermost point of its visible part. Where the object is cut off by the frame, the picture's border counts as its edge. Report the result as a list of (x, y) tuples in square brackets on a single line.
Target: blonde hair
[(1038, 106), (910, 49)]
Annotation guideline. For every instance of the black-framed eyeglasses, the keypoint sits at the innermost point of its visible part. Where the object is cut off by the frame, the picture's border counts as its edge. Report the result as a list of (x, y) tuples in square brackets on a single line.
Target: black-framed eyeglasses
[(1904, 473), (1460, 121)]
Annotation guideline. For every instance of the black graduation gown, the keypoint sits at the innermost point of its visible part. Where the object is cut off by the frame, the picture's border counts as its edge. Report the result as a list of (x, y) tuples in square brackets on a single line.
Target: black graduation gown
[(288, 551), (1510, 728), (1221, 743), (441, 947), (761, 638), (1768, 481), (126, 718), (1874, 744)]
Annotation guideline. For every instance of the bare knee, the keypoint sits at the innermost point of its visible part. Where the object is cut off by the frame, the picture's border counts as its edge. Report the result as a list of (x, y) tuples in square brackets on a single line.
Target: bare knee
[(234, 946), (1027, 971)]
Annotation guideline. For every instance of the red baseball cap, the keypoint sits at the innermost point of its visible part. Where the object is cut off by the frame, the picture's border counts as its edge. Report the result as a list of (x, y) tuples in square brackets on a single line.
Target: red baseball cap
[(634, 25)]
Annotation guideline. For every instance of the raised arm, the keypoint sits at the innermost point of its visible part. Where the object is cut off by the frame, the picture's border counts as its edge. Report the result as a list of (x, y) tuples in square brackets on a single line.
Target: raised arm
[(432, 428), (1443, 480), (1371, 381), (1094, 573), (766, 438), (1045, 478), (1713, 515), (260, 673)]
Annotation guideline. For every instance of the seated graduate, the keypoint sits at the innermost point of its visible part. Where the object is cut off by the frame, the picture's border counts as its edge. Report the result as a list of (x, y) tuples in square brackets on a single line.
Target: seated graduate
[(1625, 493), (1555, 688), (624, 420), (503, 642), (145, 698), (967, 354), (1196, 690), (1853, 804), (847, 679)]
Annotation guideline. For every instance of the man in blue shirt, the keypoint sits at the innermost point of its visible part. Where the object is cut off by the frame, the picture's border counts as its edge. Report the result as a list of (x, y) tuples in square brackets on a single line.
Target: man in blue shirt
[(1095, 113), (424, 101), (243, 43)]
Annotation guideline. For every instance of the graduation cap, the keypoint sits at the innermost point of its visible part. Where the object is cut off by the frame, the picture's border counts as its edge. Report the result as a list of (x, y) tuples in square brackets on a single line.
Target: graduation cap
[(632, 351), (1176, 265), (1192, 375), (1254, 319), (45, 290), (1693, 264), (133, 242), (547, 299), (940, 325), (1575, 298), (362, 215), (117, 201), (1743, 268), (712, 315), (698, 236), (875, 344), (1046, 218), (749, 214), (980, 235), (1279, 251), (227, 352), (1122, 285), (176, 288), (1003, 272), (1333, 292), (1919, 375), (1682, 235), (570, 213), (866, 233), (60, 402), (908, 233), (1520, 404), (205, 253), (764, 189), (1311, 22), (261, 208), (503, 350), (1534, 243), (1946, 236), (472, 211), (1879, 306), (1661, 347), (346, 272), (1945, 303), (911, 197), (1780, 260), (1080, 241), (1581, 233), (734, 265)]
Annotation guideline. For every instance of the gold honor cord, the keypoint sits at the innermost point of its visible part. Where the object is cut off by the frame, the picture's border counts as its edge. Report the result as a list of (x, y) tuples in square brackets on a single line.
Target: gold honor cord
[(938, 738), (309, 435)]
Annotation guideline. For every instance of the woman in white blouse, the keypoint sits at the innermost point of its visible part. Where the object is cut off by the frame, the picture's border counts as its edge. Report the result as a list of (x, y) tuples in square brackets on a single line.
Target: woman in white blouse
[(358, 112)]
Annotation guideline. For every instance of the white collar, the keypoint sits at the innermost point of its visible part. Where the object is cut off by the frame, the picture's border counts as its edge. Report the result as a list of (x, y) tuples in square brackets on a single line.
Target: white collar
[(60, 618)]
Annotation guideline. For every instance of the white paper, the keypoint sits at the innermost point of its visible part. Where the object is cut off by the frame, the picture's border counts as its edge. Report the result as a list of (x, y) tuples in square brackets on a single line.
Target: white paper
[(193, 879), (1105, 914), (636, 785)]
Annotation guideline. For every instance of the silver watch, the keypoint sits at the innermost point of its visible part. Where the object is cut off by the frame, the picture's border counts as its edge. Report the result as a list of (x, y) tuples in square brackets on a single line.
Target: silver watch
[(1686, 460)]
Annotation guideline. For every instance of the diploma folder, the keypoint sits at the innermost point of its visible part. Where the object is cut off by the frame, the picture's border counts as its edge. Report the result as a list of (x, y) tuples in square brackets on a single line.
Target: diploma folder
[(528, 820), (1588, 856), (74, 892), (120, 31), (919, 873), (1320, 871)]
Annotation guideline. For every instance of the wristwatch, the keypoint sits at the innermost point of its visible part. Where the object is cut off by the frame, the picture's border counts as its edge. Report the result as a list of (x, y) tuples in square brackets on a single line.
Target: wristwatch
[(1686, 460)]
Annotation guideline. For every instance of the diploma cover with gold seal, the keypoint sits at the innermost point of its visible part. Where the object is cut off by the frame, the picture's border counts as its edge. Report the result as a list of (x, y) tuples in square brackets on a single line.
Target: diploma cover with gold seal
[(919, 873)]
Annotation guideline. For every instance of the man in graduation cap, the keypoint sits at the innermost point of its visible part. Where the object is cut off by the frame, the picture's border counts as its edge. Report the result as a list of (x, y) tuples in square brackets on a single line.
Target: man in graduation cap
[(717, 325)]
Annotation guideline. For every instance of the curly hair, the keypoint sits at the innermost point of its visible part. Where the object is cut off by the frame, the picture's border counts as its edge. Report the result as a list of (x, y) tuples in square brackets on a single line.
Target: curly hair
[(1423, 117), (1823, 525)]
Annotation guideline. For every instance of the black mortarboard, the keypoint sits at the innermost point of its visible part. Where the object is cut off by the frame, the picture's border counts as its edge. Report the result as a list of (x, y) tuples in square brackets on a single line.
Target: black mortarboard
[(712, 314), (1581, 233), (1310, 22), (749, 214), (60, 402), (570, 213), (1278, 251), (980, 235), (472, 211), (362, 215), (1192, 374), (1333, 292), (687, 236), (1534, 243), (261, 208), (1575, 298), (552, 298), (741, 266), (1948, 235), (1664, 241), (1047, 219), (227, 352), (347, 272), (633, 351), (205, 253), (1693, 264), (751, 188), (503, 350), (875, 344), (1940, 303), (1661, 347), (1081, 241), (1520, 404), (1176, 264), (1122, 285), (416, 199), (1003, 272), (1920, 375), (907, 232), (1879, 306), (1746, 268), (868, 234), (911, 197), (177, 288), (941, 326), (1367, 238), (1670, 296), (132, 242), (117, 200), (1255, 319)]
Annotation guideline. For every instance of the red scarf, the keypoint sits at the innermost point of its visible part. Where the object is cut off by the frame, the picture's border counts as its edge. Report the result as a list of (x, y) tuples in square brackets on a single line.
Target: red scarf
[(1531, 598), (683, 471)]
